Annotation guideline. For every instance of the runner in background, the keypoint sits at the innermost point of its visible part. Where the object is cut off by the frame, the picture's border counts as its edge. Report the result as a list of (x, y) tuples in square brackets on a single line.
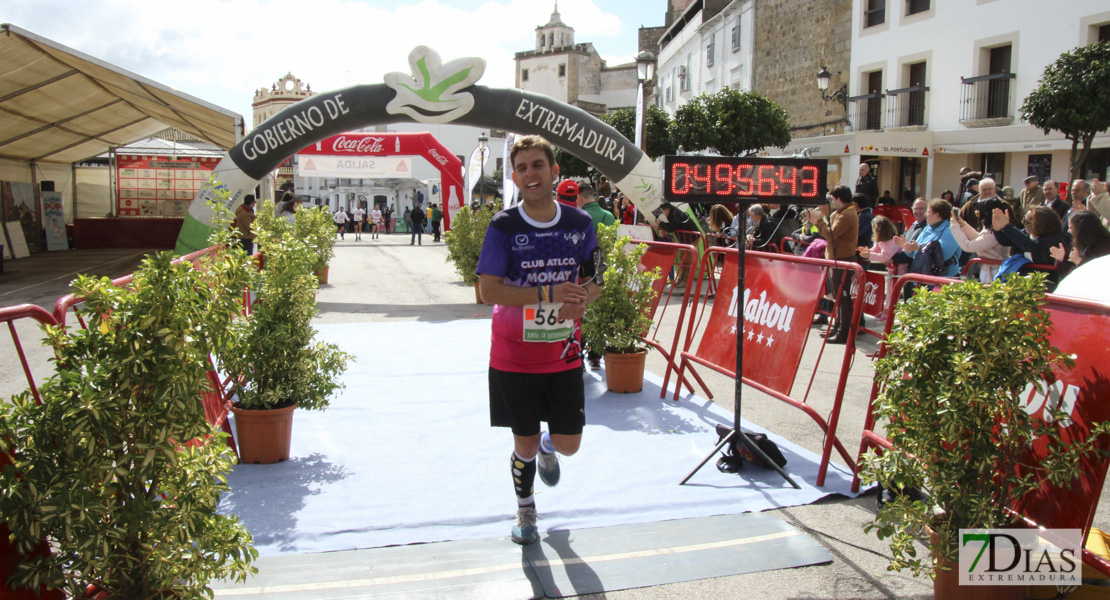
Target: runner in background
[(375, 222), (359, 216), (340, 219)]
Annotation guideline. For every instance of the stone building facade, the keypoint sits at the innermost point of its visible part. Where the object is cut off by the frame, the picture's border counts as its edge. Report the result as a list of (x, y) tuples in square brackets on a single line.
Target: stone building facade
[(574, 72), (285, 91), (793, 40), (267, 103)]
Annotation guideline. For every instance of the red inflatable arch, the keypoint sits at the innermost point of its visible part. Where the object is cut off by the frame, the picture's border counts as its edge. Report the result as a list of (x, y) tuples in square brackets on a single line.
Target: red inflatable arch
[(393, 143)]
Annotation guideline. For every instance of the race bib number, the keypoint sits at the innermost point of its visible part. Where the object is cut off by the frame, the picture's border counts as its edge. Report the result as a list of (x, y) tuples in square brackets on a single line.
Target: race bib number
[(542, 324)]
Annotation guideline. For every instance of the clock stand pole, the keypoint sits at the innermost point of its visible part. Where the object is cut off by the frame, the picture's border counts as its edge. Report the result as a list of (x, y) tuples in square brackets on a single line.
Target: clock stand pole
[(736, 432)]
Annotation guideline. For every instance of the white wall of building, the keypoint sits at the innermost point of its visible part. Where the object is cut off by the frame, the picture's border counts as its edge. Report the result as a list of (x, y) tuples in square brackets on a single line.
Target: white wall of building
[(956, 36), (689, 51), (954, 39), (543, 74)]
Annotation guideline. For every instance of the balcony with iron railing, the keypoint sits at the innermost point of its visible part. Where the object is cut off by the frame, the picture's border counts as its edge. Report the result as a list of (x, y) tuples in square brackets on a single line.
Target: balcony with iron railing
[(987, 100), (905, 108), (865, 112)]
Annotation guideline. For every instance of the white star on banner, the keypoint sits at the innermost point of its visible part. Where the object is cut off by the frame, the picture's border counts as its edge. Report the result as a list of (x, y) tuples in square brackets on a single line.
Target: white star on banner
[(759, 338), (751, 334), (770, 340), (732, 330)]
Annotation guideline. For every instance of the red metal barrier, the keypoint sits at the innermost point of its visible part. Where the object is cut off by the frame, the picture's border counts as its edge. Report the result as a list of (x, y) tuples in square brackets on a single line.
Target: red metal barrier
[(987, 261), (10, 315), (1083, 392), (978, 261), (779, 302), (792, 246), (216, 403), (9, 556), (680, 258)]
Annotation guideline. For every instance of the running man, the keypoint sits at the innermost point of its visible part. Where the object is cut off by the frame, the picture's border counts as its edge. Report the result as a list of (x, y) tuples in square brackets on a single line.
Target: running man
[(539, 266), (359, 216), (375, 221), (340, 219)]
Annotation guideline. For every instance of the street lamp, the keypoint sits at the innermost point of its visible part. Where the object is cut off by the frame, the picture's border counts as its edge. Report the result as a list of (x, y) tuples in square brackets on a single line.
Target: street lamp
[(840, 95), (645, 72), (482, 139), (477, 167)]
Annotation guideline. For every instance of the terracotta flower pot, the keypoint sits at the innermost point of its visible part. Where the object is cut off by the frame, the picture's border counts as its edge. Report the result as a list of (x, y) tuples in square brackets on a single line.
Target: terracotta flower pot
[(624, 373), (946, 585), (322, 275), (263, 436)]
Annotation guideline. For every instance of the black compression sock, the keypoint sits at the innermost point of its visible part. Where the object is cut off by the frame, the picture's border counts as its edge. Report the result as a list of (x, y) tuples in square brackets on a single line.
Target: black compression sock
[(524, 478)]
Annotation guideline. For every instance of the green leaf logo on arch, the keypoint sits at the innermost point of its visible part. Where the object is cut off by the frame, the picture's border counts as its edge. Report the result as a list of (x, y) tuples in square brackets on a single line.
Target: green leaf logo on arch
[(431, 94)]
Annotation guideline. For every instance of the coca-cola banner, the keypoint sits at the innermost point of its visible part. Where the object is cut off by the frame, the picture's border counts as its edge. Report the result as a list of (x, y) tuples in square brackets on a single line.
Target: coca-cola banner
[(779, 301), (874, 292)]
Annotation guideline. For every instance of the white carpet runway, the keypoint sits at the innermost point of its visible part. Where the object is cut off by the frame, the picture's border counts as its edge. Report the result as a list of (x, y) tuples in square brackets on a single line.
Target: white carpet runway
[(405, 454)]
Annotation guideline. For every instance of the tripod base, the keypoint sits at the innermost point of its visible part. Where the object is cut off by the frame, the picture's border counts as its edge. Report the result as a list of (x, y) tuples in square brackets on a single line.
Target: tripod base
[(741, 438)]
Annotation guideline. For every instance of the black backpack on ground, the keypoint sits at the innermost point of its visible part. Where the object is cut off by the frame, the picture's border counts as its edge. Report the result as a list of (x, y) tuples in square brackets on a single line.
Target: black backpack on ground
[(735, 454)]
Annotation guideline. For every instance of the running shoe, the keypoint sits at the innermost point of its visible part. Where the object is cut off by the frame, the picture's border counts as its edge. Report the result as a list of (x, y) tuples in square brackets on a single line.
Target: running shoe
[(524, 527), (595, 363), (548, 467)]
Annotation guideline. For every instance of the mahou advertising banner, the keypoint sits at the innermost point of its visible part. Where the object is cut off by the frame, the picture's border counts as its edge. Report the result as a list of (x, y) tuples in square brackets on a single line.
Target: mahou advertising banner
[(779, 301)]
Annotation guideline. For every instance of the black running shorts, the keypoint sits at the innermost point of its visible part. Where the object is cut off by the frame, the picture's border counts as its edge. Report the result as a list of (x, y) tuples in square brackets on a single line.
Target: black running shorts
[(521, 400)]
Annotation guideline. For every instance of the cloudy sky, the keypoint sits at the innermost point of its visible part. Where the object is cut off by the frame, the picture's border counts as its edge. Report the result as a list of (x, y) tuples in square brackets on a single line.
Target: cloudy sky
[(221, 51)]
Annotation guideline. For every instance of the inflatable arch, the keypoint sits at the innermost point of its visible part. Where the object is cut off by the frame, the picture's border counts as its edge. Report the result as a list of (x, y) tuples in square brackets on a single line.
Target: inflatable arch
[(434, 93)]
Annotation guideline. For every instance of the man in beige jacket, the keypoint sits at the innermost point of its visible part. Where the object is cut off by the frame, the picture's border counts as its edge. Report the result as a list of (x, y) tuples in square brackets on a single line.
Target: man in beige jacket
[(1099, 201)]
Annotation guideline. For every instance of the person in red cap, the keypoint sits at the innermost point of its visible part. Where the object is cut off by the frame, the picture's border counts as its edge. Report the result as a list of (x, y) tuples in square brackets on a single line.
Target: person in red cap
[(567, 192)]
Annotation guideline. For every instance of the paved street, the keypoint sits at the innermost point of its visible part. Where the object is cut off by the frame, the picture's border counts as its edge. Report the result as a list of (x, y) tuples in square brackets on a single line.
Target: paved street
[(389, 280)]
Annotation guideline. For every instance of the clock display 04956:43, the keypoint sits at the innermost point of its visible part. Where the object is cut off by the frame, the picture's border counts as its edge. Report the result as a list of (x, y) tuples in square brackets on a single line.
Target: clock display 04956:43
[(730, 178)]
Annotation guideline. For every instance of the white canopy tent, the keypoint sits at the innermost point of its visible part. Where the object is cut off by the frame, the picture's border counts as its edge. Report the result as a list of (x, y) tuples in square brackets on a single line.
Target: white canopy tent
[(59, 107)]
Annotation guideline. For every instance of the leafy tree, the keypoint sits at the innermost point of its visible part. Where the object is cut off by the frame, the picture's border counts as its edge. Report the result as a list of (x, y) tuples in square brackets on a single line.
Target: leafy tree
[(732, 122), (464, 241), (118, 471), (624, 121), (1071, 98), (570, 165), (658, 128)]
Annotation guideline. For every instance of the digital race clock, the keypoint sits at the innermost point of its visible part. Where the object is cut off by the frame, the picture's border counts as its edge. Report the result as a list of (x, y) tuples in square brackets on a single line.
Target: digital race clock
[(723, 179)]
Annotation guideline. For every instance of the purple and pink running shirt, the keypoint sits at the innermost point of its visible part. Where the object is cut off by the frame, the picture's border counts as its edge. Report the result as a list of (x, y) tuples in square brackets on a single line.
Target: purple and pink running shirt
[(527, 253)]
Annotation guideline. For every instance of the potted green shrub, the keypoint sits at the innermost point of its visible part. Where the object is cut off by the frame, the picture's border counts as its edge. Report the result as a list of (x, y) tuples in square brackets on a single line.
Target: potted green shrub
[(102, 469), (951, 397), (464, 244), (277, 363), (317, 228), (615, 322)]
